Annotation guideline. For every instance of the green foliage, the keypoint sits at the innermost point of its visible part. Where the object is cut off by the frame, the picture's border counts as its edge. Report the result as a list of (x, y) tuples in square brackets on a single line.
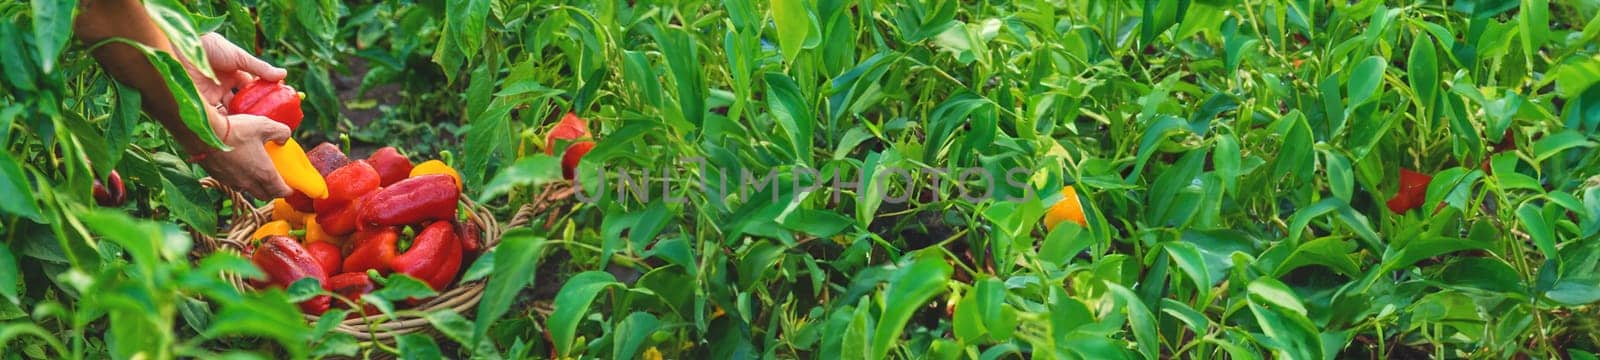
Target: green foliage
[(1233, 159)]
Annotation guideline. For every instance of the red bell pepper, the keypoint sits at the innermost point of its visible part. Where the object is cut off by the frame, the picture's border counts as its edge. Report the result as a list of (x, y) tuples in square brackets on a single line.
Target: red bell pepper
[(569, 160), (300, 202), (327, 157), (391, 165), (352, 181), (1413, 191), (327, 255), (285, 261), (570, 128), (344, 220), (352, 285), (471, 236), (413, 201), (471, 240), (434, 258), (273, 100), (374, 248), (111, 193)]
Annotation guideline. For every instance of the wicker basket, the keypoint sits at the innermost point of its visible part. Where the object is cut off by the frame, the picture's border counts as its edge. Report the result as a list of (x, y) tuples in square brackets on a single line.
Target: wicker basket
[(461, 298)]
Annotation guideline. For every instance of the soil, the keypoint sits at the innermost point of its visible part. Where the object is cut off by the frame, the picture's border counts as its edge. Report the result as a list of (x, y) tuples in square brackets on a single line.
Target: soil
[(348, 86)]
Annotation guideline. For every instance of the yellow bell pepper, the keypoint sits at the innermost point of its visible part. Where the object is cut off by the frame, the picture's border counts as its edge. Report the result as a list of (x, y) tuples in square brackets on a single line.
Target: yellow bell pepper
[(296, 169), (436, 167), (278, 227), (282, 211), (314, 232)]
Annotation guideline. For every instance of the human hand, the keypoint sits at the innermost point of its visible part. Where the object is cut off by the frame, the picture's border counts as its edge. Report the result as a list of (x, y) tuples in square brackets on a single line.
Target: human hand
[(246, 166), (234, 68)]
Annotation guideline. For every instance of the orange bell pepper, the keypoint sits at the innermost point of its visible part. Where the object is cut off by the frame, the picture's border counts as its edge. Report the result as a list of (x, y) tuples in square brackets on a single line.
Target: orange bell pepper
[(282, 211), (278, 227), (436, 167), (1068, 209), (315, 233), (295, 168)]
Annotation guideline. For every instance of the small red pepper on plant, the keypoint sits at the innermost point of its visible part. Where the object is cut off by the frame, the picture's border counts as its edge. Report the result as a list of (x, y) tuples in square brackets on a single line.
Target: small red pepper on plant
[(1413, 191), (569, 160), (571, 128), (413, 201), (110, 193)]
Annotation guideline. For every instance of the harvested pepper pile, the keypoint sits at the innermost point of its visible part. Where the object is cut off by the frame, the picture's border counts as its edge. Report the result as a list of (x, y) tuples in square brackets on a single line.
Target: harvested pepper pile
[(351, 219)]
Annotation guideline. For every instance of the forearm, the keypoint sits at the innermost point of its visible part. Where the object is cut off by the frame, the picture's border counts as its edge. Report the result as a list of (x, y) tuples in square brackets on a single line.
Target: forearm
[(105, 19)]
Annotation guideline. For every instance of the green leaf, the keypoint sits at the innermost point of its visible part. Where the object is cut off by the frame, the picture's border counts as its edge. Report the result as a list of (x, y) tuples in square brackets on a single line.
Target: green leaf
[(1533, 23), (304, 289), (1295, 155), (793, 23), (1282, 316), (1164, 127), (1140, 320), (1574, 292), (683, 63), (190, 203), (488, 141), (465, 21), (528, 171), (268, 314), (418, 346), (10, 271), (400, 287), (1422, 71), (516, 260), (480, 268), (16, 193), (1189, 316), (857, 334), (998, 317), (909, 287), (967, 322), (52, 27), (1329, 251), (1556, 143), (1351, 218), (819, 223), (632, 332), (1364, 81), (792, 112), (1538, 228), (1063, 242), (1160, 15), (572, 303), (178, 24), (1188, 258)]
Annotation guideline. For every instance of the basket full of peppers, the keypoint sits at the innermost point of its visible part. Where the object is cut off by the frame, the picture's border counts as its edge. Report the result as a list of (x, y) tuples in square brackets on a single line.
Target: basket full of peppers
[(355, 224)]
